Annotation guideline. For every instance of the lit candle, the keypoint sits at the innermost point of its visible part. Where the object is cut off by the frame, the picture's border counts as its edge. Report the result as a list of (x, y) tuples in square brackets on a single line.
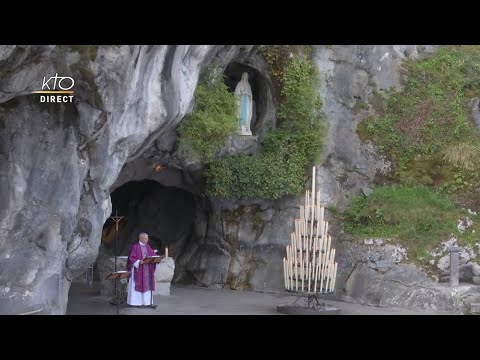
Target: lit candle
[(166, 252)]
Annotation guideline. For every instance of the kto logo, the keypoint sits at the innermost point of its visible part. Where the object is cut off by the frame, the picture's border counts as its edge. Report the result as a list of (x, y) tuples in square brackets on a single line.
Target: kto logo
[(54, 86), (46, 83)]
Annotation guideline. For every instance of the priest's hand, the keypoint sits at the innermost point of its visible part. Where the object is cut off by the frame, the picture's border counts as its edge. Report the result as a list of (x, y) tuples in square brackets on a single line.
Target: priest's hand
[(141, 262)]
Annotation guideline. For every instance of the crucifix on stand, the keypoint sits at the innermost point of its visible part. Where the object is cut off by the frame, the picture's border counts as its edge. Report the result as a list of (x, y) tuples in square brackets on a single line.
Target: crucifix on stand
[(115, 275)]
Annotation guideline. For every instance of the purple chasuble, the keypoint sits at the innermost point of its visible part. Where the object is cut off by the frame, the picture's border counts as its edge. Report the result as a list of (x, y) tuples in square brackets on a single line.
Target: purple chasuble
[(144, 275)]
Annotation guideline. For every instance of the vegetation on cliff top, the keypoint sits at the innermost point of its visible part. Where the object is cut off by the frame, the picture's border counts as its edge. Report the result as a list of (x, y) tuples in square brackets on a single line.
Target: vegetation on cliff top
[(427, 133)]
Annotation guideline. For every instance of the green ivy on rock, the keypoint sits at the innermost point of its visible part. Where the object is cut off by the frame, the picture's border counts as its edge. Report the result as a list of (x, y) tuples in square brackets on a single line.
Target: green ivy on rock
[(214, 118)]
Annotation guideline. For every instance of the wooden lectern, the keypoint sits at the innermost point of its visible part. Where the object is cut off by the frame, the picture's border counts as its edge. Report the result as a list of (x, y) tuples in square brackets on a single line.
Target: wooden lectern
[(115, 276), (155, 259)]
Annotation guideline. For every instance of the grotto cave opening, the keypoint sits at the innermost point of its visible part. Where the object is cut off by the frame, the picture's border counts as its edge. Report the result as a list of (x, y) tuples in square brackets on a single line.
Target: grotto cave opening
[(166, 214)]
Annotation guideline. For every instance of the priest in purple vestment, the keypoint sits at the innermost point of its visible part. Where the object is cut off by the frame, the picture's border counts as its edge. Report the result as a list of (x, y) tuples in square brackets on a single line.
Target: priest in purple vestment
[(142, 279)]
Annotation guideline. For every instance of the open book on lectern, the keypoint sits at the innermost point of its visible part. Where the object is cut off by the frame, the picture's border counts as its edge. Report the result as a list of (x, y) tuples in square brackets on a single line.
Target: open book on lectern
[(155, 259), (118, 275)]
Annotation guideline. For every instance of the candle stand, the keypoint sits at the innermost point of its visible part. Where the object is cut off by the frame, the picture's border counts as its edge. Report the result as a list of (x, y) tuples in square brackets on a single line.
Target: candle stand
[(309, 268)]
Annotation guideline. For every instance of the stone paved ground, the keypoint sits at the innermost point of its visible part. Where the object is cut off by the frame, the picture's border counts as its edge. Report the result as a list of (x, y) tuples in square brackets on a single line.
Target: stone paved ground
[(189, 300)]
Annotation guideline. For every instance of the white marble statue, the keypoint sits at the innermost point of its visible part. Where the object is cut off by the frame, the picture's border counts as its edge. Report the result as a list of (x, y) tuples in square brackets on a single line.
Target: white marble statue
[(243, 94)]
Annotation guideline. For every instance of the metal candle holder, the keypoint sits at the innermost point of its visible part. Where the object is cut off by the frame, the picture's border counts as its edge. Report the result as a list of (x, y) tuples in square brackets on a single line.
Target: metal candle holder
[(309, 267)]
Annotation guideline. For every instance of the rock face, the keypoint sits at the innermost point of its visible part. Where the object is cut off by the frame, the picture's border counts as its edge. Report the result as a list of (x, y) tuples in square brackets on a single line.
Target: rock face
[(351, 76), (105, 266), (242, 248), (394, 284), (60, 162), (163, 276)]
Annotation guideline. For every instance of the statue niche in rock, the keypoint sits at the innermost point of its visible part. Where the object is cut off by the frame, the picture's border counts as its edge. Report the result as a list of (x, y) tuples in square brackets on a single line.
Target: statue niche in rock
[(243, 95)]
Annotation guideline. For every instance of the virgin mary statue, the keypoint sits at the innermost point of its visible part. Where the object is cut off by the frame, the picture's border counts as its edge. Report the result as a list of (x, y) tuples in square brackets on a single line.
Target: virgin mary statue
[(243, 94)]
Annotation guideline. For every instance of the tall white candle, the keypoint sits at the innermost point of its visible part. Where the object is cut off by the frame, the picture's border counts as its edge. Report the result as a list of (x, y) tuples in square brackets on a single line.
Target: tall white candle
[(317, 211), (290, 274), (297, 229), (313, 181), (166, 252), (327, 251), (309, 272), (302, 273), (305, 235), (321, 224), (329, 269), (327, 282), (300, 245), (334, 276), (296, 271), (324, 258), (306, 198), (307, 250), (307, 208), (287, 274), (313, 200), (315, 261), (314, 254), (300, 256)]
